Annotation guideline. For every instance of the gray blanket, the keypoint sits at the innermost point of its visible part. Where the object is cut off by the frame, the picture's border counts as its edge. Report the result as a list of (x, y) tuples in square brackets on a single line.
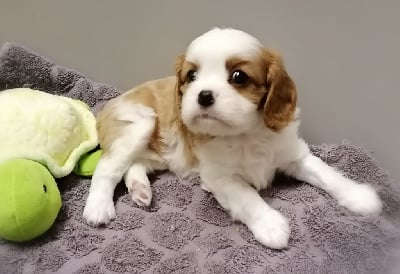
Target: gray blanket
[(184, 230)]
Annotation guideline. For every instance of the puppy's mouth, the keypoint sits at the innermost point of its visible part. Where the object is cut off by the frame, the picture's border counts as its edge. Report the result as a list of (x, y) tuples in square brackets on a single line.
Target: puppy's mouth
[(210, 117)]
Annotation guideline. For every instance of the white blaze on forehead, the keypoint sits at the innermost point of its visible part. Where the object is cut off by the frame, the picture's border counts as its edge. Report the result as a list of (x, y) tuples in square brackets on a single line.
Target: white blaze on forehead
[(222, 43)]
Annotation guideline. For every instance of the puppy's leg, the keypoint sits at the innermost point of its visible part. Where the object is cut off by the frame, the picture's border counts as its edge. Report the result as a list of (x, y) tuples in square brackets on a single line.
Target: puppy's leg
[(99, 207), (359, 198), (138, 184), (245, 204), (134, 138)]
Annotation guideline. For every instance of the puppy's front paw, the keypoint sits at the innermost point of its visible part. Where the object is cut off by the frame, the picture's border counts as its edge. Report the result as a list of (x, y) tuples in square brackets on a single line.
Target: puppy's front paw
[(141, 193), (99, 210), (272, 230), (361, 199)]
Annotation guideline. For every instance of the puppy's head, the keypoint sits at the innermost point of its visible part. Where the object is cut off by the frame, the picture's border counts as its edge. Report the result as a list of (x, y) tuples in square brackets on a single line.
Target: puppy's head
[(228, 82)]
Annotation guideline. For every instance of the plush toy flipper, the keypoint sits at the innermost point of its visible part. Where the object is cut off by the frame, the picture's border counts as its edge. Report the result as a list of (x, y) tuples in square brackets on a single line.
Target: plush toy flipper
[(87, 164)]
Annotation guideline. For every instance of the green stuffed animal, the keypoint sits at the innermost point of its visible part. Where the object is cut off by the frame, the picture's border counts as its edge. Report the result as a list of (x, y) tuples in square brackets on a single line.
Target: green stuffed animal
[(87, 163), (42, 137), (30, 200)]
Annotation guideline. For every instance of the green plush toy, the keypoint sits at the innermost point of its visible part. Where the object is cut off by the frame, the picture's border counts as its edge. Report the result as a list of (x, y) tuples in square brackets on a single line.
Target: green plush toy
[(30, 200), (88, 162), (42, 136)]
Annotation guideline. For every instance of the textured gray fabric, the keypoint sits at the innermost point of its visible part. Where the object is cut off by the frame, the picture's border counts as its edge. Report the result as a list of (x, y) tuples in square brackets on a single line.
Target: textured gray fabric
[(184, 230), (20, 67)]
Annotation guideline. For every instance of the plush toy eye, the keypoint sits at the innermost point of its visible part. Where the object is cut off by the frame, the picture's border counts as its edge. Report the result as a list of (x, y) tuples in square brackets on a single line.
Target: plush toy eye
[(191, 75), (239, 77), (44, 188)]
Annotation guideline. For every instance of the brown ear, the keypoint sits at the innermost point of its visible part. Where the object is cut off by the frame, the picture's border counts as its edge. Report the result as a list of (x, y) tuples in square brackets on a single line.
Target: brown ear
[(280, 104), (178, 67), (179, 80)]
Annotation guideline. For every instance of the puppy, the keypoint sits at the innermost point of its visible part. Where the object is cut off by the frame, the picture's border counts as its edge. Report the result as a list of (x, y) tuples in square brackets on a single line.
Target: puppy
[(228, 115)]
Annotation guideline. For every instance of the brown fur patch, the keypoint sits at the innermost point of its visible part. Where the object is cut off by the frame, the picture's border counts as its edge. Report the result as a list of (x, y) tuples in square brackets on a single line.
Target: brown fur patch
[(160, 95), (182, 67), (255, 89), (109, 127), (269, 81), (280, 105)]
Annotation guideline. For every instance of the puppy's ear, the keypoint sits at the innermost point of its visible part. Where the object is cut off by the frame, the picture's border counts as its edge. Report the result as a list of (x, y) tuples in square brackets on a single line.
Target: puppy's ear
[(178, 68), (280, 101), (179, 80)]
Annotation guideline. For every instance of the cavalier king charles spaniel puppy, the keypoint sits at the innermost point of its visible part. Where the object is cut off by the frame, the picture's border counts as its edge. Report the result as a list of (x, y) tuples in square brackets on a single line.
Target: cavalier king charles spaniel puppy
[(229, 115)]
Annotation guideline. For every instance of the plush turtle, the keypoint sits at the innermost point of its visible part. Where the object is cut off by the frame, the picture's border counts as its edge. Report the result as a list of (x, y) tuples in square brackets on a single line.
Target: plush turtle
[(42, 137)]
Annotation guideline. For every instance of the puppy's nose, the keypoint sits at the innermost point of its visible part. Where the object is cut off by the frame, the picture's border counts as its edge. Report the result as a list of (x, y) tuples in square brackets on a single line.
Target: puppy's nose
[(205, 98)]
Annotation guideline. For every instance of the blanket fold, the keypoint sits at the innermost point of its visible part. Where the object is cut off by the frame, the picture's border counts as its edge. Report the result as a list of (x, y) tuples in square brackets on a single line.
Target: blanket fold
[(20, 67)]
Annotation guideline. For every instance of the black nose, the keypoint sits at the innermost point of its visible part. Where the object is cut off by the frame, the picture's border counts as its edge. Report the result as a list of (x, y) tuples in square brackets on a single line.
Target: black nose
[(205, 98)]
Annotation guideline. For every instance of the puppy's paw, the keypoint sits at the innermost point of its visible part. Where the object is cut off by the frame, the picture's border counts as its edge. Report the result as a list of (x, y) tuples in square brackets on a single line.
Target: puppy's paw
[(361, 199), (99, 210), (141, 193), (272, 230)]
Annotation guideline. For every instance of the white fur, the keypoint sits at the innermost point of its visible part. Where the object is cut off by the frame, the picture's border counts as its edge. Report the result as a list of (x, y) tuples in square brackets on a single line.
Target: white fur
[(359, 198), (210, 52), (138, 184), (242, 157), (174, 156)]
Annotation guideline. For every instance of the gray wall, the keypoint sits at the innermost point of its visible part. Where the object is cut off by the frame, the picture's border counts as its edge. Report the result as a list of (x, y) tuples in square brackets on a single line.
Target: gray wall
[(342, 54)]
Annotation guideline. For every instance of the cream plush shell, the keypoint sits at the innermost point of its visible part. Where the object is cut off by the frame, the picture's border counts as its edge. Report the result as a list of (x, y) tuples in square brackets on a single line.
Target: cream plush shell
[(53, 130)]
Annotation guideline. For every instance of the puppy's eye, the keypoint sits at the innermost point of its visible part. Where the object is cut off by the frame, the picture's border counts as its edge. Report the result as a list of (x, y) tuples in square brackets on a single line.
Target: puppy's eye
[(239, 77), (191, 76)]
